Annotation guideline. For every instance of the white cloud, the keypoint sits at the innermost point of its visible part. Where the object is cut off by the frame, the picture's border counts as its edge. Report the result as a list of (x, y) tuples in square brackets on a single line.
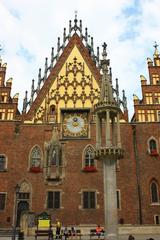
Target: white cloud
[(129, 28)]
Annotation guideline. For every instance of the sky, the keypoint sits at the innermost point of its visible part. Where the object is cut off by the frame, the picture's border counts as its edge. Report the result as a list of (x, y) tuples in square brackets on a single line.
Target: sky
[(29, 29)]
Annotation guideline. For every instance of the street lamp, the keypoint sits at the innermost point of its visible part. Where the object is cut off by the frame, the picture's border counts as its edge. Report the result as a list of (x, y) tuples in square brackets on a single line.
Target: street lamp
[(17, 189)]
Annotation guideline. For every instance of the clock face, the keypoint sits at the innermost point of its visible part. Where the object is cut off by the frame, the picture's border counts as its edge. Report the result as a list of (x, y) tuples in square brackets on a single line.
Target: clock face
[(75, 125)]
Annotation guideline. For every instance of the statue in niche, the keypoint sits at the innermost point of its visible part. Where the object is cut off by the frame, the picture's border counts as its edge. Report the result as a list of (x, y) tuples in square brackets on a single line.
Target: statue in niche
[(53, 157)]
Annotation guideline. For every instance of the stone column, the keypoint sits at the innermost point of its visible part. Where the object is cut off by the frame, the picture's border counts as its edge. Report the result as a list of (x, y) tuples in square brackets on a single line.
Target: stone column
[(113, 132), (110, 200), (108, 131), (118, 132), (98, 131)]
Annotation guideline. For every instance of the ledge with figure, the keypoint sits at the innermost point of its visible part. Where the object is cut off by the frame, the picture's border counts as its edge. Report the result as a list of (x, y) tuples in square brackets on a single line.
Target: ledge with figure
[(54, 162)]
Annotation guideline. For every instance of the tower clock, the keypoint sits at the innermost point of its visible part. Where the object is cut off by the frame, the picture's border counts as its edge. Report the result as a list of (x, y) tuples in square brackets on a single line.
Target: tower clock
[(75, 124)]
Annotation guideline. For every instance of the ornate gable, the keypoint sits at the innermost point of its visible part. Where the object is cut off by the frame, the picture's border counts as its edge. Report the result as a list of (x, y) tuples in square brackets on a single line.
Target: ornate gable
[(72, 83)]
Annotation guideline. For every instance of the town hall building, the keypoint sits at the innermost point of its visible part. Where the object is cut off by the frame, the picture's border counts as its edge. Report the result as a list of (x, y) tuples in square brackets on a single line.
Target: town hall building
[(48, 157)]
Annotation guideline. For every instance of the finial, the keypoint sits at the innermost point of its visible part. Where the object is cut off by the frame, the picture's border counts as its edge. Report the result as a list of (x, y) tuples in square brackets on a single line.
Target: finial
[(124, 100), (80, 25), (155, 45), (104, 54), (104, 61), (45, 68), (75, 12), (117, 91), (39, 79), (70, 26), (98, 56), (92, 43), (86, 35), (64, 35), (156, 53), (117, 87), (58, 44), (52, 57), (25, 101), (32, 91), (75, 20), (110, 74)]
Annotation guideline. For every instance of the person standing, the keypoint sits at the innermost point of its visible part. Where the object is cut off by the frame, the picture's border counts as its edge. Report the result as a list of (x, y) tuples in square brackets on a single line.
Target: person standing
[(58, 229)]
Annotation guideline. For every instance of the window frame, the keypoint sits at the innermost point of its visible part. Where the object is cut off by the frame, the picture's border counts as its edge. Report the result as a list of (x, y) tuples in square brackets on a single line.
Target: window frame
[(30, 157), (5, 163), (53, 200), (149, 149), (95, 199), (5, 201), (89, 162), (118, 197), (155, 220), (157, 193)]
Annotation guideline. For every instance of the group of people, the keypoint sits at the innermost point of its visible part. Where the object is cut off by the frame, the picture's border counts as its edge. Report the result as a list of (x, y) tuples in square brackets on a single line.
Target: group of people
[(64, 233)]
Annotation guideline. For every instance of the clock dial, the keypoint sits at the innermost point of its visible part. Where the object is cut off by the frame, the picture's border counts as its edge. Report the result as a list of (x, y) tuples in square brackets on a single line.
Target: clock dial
[(75, 125)]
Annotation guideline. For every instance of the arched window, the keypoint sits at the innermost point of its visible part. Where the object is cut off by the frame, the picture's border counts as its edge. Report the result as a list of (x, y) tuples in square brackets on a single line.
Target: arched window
[(152, 144), (154, 193), (2, 162), (35, 157), (52, 110), (153, 147), (89, 157)]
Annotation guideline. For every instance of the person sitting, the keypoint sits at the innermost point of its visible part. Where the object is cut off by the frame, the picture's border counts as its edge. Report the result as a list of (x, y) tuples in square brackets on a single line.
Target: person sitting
[(99, 230)]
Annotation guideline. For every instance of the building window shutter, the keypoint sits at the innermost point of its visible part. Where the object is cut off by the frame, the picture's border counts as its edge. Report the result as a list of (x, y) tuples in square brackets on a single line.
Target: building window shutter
[(92, 199), (57, 200), (50, 200), (85, 200)]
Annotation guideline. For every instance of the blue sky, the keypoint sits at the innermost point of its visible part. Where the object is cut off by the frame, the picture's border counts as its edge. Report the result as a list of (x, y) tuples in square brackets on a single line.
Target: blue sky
[(29, 29)]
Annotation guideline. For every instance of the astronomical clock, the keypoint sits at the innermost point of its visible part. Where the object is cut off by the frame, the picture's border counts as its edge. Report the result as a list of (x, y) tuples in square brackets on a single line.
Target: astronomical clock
[(75, 124)]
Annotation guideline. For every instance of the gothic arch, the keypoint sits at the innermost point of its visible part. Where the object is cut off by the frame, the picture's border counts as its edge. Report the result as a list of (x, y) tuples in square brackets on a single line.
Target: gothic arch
[(154, 191), (152, 143), (88, 156), (38, 152)]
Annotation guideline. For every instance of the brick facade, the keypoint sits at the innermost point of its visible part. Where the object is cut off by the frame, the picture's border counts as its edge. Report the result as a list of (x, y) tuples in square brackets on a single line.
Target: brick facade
[(135, 172)]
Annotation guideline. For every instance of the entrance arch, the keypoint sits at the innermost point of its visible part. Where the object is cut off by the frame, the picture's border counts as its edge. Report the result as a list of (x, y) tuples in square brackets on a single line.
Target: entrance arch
[(22, 207)]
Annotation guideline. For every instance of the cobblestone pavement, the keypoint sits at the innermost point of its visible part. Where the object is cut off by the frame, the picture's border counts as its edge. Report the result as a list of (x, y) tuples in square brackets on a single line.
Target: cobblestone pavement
[(121, 237)]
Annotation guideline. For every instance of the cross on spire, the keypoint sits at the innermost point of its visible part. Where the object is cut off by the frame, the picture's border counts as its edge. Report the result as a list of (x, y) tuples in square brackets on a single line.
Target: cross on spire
[(155, 45), (75, 12)]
